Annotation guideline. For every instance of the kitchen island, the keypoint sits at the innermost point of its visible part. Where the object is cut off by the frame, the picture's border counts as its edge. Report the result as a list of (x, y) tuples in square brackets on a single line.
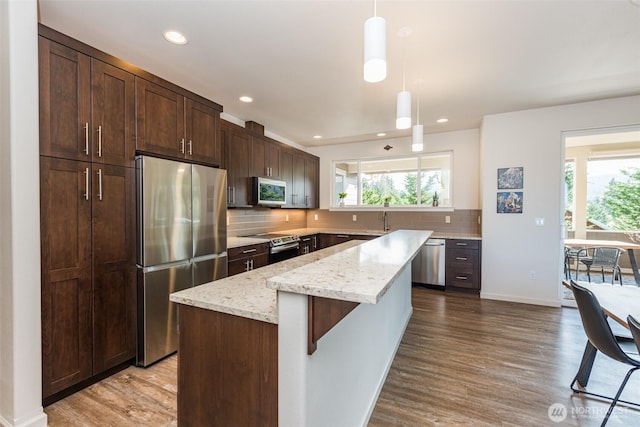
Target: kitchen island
[(304, 342)]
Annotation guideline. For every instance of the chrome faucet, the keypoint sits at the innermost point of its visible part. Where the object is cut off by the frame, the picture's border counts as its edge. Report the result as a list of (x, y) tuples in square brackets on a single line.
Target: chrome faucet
[(385, 221)]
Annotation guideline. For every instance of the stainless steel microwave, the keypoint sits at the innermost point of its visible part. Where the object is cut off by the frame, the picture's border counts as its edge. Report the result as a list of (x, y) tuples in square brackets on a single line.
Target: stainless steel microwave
[(269, 192)]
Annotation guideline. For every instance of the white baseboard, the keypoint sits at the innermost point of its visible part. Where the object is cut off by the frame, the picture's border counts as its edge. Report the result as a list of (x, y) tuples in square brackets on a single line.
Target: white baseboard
[(518, 299)]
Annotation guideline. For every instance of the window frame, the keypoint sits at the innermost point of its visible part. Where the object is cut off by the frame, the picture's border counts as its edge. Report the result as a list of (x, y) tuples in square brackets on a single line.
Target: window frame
[(334, 204)]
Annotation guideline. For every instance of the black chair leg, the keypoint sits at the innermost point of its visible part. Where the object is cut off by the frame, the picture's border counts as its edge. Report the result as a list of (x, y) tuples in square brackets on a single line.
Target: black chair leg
[(615, 399), (589, 273)]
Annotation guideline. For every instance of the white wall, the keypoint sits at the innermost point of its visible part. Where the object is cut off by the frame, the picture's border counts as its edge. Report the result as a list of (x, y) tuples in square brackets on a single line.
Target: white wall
[(512, 245), (466, 165), (338, 385), (20, 360)]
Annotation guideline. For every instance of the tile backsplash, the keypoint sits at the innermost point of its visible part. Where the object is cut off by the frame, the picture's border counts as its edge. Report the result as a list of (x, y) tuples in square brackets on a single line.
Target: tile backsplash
[(461, 220), (247, 222)]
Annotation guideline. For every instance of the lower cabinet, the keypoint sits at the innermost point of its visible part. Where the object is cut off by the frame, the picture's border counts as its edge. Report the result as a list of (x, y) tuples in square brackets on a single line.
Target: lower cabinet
[(88, 271), (308, 244), (329, 239), (247, 258), (462, 270)]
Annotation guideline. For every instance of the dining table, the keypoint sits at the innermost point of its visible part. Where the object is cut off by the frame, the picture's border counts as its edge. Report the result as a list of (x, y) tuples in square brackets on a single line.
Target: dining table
[(617, 302), (627, 246)]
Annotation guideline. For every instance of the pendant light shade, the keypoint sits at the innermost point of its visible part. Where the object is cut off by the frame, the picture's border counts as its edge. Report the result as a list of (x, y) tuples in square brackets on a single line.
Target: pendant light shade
[(417, 138), (375, 49), (403, 110)]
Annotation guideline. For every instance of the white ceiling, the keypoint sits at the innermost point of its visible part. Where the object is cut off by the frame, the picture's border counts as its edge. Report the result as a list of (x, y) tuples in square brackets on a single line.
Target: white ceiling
[(302, 60)]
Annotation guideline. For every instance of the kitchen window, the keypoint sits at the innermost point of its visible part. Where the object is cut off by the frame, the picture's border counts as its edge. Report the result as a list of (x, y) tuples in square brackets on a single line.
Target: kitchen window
[(417, 181)]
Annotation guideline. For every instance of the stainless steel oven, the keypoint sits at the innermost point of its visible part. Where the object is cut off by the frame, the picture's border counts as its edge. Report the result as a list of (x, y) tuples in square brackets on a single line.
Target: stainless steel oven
[(283, 247)]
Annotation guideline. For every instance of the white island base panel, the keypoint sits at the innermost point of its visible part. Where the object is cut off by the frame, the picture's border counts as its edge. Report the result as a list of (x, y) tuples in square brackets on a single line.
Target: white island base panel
[(339, 384)]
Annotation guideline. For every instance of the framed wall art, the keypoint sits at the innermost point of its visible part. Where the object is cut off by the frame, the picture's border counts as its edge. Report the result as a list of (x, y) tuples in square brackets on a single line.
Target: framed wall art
[(510, 178), (509, 202)]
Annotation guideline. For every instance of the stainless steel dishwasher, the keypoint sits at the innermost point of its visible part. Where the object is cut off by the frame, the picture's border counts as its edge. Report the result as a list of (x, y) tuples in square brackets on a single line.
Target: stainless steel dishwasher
[(428, 266)]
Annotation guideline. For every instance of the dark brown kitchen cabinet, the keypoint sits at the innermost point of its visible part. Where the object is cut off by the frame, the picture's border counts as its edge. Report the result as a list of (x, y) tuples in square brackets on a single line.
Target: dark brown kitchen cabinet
[(247, 258), (265, 152), (86, 107), (237, 149), (175, 126), (308, 244), (88, 270), (300, 171), (462, 265)]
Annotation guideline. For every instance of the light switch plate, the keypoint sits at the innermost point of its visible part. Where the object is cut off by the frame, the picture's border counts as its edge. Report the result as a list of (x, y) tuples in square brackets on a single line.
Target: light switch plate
[(447, 219), (354, 218)]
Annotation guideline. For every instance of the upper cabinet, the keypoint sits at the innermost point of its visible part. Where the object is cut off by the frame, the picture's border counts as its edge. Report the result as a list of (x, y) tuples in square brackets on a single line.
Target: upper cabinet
[(172, 125), (265, 154), (300, 171), (237, 149), (86, 107)]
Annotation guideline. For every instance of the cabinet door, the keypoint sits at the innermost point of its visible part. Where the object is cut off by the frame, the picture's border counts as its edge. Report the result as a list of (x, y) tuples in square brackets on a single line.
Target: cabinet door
[(159, 120), (64, 101), (237, 146), (259, 166), (299, 199), (272, 159), (65, 226), (114, 273), (112, 115), (202, 133), (286, 174), (311, 180)]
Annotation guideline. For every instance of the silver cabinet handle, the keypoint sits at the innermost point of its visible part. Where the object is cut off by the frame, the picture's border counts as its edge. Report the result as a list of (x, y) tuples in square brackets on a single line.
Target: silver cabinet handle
[(86, 183), (462, 277), (190, 148), (252, 264), (342, 236), (247, 263), (99, 184), (459, 258), (306, 200), (248, 251), (100, 141), (182, 145), (86, 138), (306, 239), (233, 193), (461, 244)]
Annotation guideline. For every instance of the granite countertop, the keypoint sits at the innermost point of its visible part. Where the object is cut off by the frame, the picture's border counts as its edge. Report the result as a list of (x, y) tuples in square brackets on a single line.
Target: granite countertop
[(359, 274), (233, 242), (246, 294)]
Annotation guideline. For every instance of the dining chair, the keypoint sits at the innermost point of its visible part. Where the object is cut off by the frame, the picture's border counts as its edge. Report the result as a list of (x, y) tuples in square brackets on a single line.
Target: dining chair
[(572, 256), (604, 257), (634, 326), (594, 322)]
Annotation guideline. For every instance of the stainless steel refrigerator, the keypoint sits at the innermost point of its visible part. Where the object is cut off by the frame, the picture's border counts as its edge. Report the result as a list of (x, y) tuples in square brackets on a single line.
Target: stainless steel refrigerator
[(182, 242)]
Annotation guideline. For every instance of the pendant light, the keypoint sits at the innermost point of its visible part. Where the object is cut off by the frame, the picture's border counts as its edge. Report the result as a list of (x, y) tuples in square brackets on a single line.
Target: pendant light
[(375, 48), (403, 106), (417, 133)]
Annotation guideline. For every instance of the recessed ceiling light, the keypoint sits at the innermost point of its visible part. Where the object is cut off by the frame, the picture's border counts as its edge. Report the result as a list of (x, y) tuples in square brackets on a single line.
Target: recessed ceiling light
[(246, 99), (381, 134), (442, 120), (317, 136), (174, 37)]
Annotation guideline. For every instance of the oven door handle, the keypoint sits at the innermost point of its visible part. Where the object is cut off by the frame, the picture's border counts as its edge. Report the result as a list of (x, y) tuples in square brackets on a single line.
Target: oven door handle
[(278, 249)]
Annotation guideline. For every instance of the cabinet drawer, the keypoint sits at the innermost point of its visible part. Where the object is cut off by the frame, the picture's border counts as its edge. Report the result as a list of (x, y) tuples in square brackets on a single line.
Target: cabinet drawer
[(462, 244), (240, 265), (247, 251), (462, 280)]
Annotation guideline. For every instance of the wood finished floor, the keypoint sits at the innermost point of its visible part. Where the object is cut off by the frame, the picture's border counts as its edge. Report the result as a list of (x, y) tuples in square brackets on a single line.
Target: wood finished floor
[(462, 361)]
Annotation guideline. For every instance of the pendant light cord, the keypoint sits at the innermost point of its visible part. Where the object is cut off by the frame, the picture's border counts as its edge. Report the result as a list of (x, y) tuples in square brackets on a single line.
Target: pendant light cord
[(404, 60)]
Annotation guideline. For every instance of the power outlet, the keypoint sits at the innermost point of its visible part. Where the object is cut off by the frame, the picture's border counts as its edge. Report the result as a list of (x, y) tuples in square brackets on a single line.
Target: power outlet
[(354, 218), (532, 275), (447, 219), (315, 217), (286, 218)]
